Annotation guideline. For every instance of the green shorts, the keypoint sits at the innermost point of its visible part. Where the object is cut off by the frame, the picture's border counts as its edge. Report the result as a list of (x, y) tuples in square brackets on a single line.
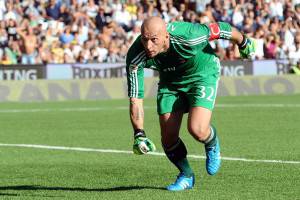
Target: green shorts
[(171, 98)]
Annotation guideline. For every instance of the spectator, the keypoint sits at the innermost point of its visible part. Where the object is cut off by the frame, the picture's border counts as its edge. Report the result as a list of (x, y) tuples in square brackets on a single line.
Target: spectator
[(116, 6), (134, 33), (58, 52), (270, 47), (123, 18), (102, 53), (238, 18), (5, 59), (259, 38), (289, 32), (53, 10), (297, 12), (11, 13), (101, 31), (51, 36), (65, 15), (11, 30), (2, 9), (281, 51), (294, 51), (231, 52), (3, 35), (225, 17), (68, 54), (66, 37), (91, 9), (13, 52), (276, 8), (29, 40), (132, 7), (101, 19), (44, 54), (209, 14)]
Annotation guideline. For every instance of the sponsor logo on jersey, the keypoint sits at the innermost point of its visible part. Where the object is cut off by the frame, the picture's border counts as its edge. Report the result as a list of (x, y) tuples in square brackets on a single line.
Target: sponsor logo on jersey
[(170, 69)]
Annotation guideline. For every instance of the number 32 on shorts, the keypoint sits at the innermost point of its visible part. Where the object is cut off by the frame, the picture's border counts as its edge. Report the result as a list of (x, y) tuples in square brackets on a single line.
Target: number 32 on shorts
[(207, 93)]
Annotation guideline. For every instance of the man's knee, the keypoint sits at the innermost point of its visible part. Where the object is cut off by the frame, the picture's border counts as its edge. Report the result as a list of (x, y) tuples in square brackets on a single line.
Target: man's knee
[(199, 132)]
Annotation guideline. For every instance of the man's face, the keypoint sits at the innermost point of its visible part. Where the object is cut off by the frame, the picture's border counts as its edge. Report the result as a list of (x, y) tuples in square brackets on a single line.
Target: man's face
[(153, 42)]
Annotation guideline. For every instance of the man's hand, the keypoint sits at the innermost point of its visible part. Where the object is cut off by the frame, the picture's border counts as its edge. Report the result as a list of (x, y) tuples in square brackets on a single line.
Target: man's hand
[(247, 48), (143, 145)]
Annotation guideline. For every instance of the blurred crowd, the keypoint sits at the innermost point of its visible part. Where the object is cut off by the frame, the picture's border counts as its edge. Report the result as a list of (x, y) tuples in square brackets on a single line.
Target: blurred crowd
[(87, 31)]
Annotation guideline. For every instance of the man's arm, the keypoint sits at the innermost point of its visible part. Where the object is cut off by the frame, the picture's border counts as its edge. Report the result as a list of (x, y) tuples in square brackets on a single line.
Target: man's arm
[(142, 144), (236, 36), (223, 30), (136, 113), (247, 46), (135, 83), (21, 32)]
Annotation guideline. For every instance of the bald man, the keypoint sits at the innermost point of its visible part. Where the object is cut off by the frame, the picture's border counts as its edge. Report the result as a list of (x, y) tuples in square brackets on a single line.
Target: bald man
[(189, 72)]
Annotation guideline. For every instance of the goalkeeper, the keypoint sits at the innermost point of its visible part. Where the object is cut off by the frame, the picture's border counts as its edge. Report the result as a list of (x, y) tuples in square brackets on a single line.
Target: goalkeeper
[(189, 72)]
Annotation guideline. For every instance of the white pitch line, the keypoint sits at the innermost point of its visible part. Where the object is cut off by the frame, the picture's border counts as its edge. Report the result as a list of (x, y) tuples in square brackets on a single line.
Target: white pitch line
[(258, 105), (84, 109), (130, 152)]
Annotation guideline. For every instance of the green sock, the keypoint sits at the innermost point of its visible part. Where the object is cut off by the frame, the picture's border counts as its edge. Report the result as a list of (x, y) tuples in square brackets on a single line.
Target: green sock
[(211, 140), (177, 155), (184, 166)]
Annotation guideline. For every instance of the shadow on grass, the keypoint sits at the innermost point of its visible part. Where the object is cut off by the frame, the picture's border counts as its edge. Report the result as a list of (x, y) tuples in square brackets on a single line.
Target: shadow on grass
[(19, 195), (9, 194), (76, 189)]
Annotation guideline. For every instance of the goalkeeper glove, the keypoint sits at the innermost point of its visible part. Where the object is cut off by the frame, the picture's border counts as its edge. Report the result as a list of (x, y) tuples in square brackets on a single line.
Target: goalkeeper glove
[(142, 144), (247, 48)]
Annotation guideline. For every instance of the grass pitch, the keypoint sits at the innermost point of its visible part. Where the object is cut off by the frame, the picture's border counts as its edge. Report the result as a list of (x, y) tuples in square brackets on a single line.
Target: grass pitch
[(263, 130)]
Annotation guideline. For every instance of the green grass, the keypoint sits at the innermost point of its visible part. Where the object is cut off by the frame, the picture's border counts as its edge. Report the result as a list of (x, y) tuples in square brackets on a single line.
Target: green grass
[(270, 132)]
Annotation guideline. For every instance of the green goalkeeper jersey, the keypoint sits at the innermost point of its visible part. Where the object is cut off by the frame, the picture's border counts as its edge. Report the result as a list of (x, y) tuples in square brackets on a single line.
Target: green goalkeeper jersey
[(189, 59)]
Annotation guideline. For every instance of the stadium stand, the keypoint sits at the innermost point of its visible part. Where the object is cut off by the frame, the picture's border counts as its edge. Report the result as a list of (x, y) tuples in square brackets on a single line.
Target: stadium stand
[(87, 31)]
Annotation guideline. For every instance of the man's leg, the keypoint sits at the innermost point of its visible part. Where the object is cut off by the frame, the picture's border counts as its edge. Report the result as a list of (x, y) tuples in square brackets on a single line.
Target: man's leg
[(176, 150), (200, 128)]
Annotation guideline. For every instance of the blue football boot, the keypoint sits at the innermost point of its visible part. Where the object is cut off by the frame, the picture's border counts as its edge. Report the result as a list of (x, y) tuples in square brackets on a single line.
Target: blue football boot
[(213, 158), (182, 183)]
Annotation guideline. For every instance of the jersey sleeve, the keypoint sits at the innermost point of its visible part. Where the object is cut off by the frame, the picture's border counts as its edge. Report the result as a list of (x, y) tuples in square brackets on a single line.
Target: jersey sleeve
[(135, 70), (211, 31), (189, 38), (220, 30)]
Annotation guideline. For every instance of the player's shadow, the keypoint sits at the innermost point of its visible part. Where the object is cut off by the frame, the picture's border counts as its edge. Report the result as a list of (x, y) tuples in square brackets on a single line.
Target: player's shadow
[(27, 195), (8, 194), (77, 189)]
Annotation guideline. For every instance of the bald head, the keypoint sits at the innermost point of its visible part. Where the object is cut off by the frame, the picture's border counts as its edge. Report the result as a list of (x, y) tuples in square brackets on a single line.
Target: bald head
[(154, 36), (154, 24)]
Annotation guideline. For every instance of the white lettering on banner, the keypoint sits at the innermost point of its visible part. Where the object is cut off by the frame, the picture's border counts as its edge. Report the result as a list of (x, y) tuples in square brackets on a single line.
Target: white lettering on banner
[(80, 72), (7, 74), (14, 74), (233, 70), (41, 90)]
